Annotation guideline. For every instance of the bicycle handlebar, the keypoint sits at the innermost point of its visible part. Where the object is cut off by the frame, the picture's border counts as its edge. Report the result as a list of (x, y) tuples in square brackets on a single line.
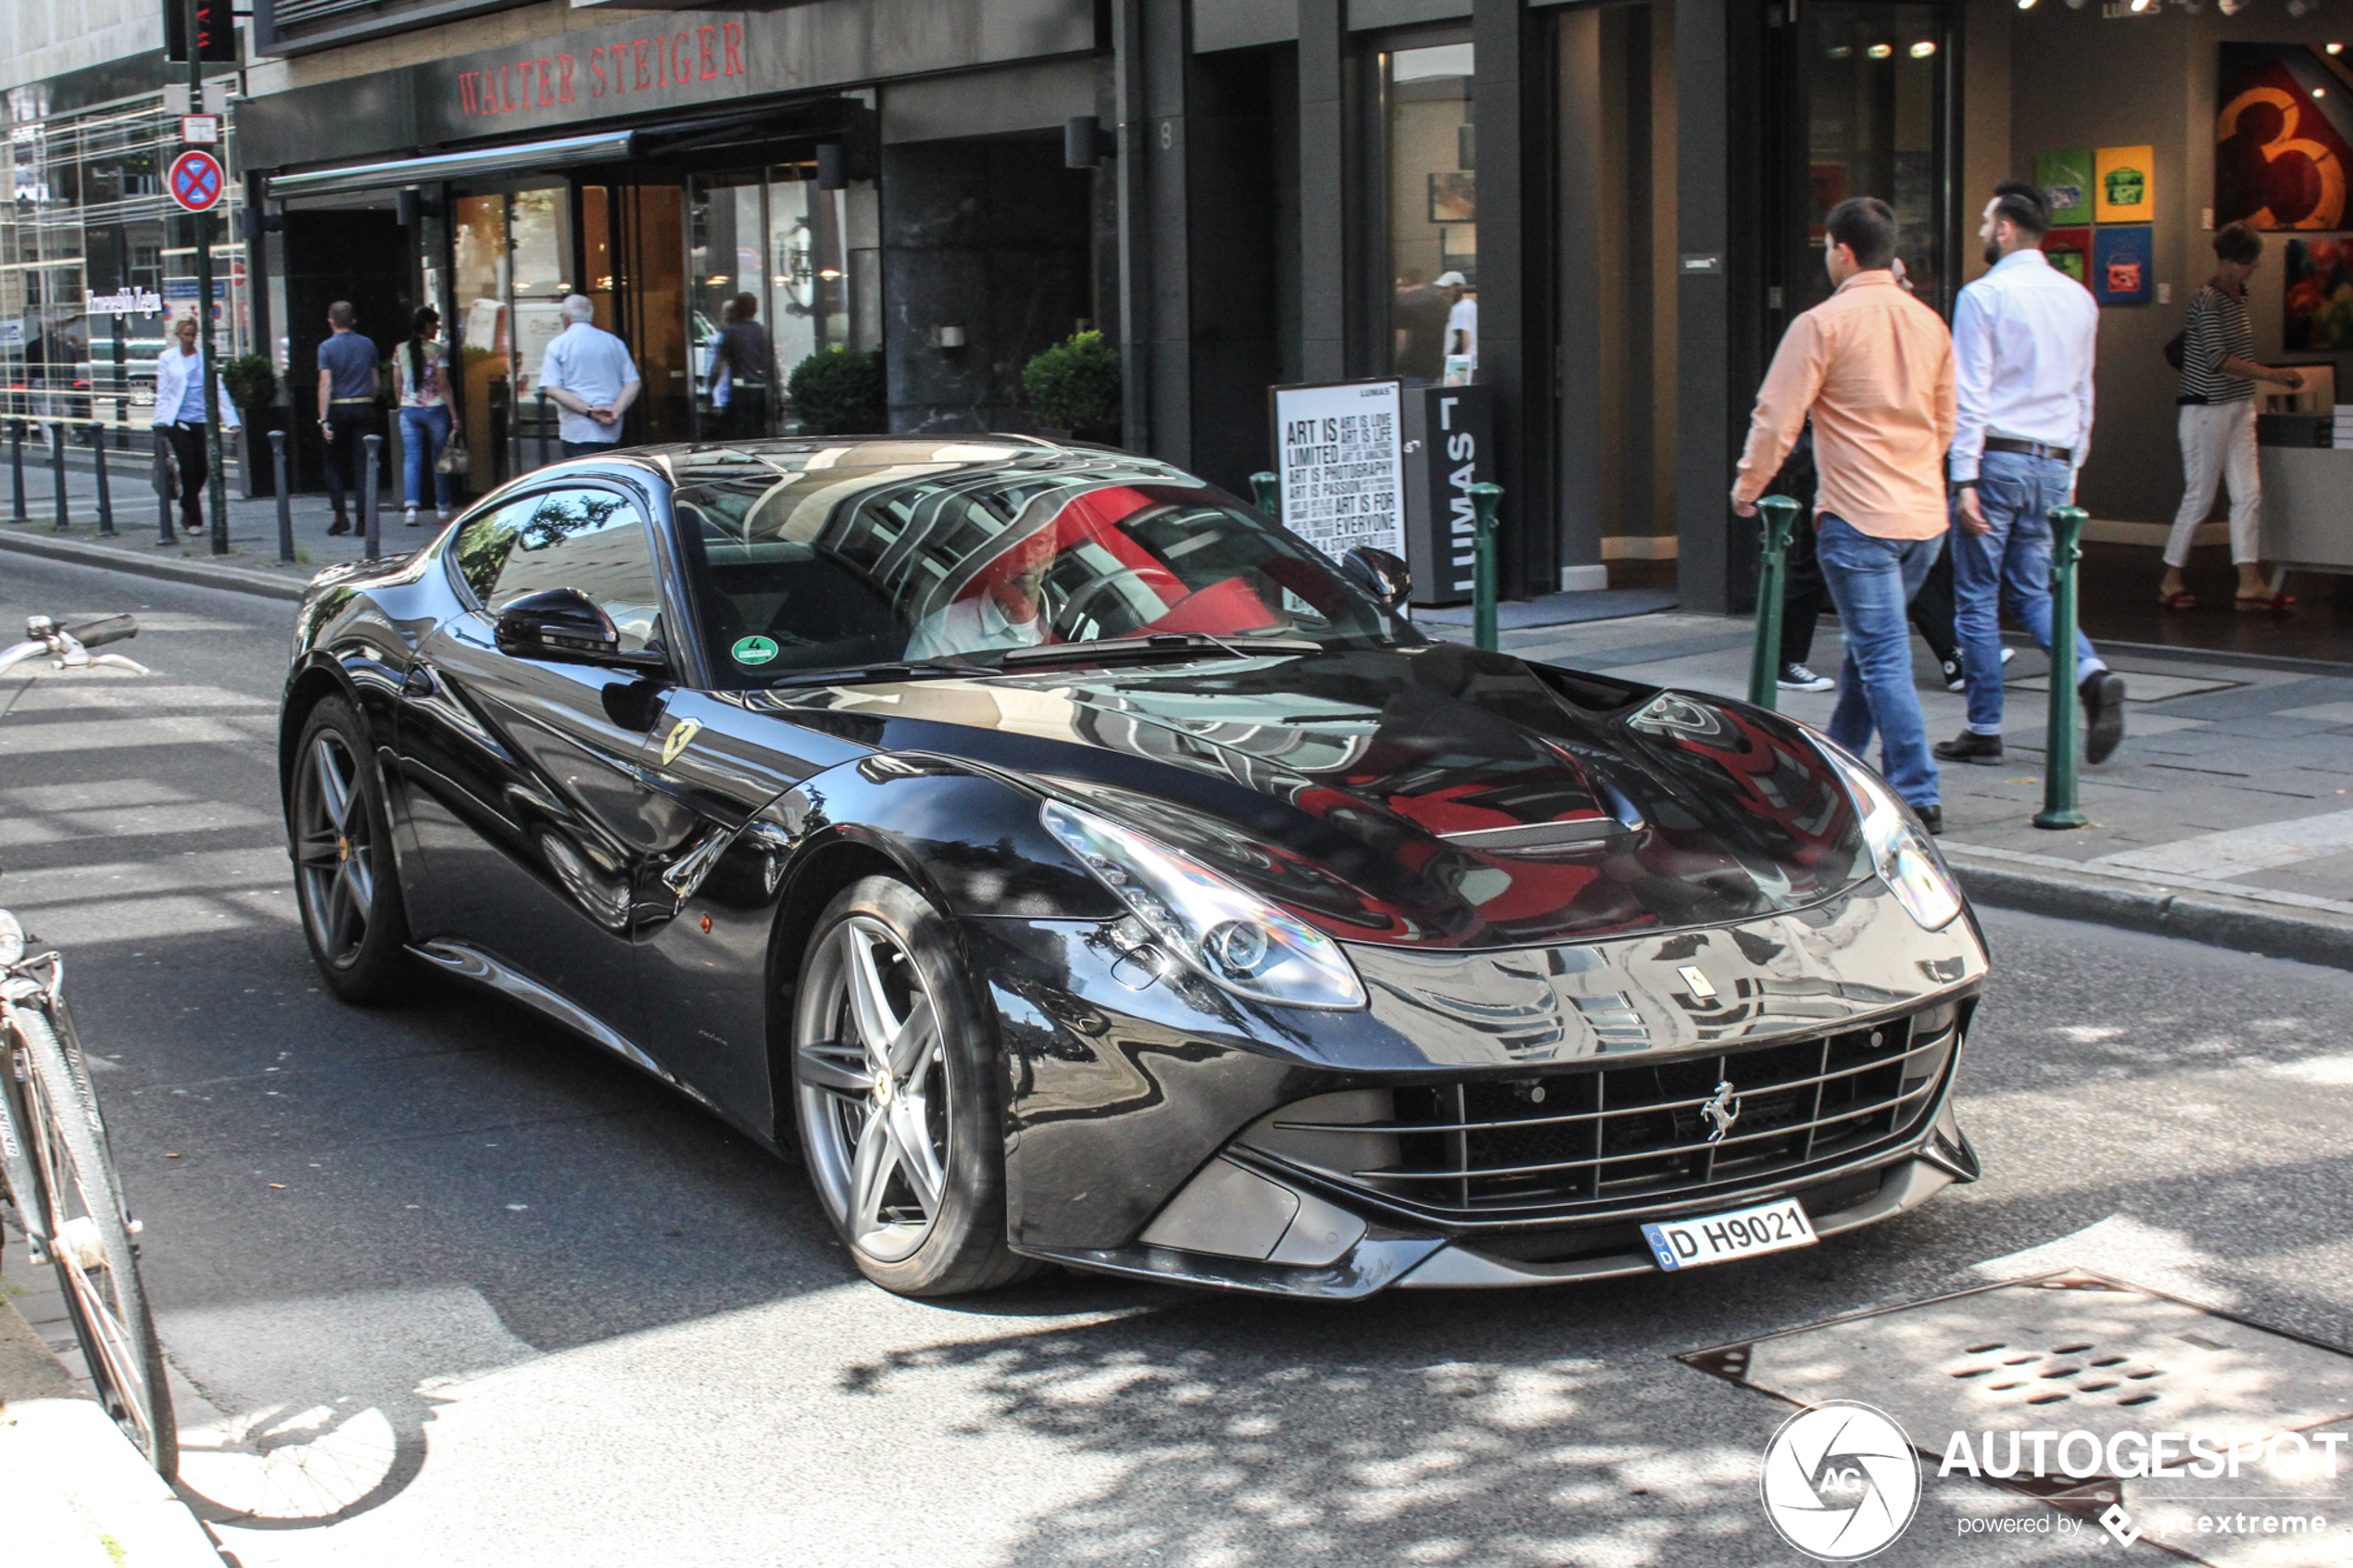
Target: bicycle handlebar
[(97, 633)]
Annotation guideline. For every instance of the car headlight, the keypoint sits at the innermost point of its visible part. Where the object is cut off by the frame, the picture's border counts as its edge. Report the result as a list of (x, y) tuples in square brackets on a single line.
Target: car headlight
[(1901, 853), (1232, 937)]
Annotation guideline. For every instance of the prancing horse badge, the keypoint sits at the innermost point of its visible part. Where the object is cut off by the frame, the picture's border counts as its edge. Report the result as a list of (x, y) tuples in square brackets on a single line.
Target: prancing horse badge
[(680, 734), (1701, 986)]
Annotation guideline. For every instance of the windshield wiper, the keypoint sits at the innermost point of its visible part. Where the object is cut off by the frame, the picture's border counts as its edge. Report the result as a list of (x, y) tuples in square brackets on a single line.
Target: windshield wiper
[(854, 675), (1152, 644)]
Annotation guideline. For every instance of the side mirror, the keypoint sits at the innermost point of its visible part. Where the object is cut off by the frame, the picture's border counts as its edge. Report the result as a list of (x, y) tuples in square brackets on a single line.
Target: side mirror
[(1378, 574), (565, 626)]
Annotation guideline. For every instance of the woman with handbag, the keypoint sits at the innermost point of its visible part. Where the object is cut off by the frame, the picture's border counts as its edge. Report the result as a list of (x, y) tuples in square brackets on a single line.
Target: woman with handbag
[(422, 372), (180, 416)]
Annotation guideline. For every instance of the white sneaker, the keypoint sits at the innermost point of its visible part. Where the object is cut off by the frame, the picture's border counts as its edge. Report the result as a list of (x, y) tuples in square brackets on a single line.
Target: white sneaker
[(1797, 678), (411, 521), (441, 514)]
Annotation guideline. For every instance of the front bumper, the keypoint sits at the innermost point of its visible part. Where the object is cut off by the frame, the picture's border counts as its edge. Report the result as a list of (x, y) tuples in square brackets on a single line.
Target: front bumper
[(1139, 1106)]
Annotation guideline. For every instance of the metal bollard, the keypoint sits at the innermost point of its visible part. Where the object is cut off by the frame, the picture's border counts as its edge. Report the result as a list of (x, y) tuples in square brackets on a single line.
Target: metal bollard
[(543, 427), (166, 469), (2060, 737), (285, 502), (105, 497), (57, 470), (369, 446), (1484, 500), (1267, 491), (16, 470), (1777, 517)]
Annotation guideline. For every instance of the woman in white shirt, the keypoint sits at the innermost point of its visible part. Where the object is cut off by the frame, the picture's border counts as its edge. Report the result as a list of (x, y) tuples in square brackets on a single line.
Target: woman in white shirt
[(180, 416), (422, 371)]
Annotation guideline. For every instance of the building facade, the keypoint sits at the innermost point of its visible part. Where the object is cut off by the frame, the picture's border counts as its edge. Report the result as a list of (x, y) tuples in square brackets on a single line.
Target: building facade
[(1628, 195)]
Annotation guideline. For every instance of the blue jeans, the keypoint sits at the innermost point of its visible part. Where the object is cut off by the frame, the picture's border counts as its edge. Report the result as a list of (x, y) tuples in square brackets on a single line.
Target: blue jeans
[(2009, 563), (1871, 580), (424, 433)]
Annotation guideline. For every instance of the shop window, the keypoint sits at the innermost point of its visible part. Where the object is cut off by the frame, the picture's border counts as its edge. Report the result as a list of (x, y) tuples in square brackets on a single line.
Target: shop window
[(777, 239), (1428, 148), (478, 326), (539, 231)]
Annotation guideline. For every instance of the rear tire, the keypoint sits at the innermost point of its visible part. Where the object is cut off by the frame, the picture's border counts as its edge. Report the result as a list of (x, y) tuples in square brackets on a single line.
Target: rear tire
[(345, 881), (91, 1248), (899, 1096)]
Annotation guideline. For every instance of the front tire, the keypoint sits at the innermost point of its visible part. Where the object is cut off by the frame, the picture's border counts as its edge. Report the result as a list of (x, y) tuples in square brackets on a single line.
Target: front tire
[(344, 878), (896, 1094)]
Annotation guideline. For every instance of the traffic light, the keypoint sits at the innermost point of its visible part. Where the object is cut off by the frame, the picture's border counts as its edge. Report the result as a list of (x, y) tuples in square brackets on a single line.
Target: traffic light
[(216, 30)]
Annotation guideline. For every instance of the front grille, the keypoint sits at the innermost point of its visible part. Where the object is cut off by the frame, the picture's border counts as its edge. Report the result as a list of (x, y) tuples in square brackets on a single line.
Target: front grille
[(1616, 1138)]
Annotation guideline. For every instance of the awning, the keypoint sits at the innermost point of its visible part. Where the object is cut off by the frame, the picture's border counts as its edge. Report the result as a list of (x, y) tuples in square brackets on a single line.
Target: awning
[(518, 158)]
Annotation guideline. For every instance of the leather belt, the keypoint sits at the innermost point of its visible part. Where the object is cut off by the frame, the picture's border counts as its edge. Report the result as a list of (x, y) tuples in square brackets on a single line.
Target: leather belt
[(2029, 448)]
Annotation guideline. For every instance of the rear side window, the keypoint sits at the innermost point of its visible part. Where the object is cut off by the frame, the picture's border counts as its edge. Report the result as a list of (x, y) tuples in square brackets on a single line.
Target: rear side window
[(590, 540)]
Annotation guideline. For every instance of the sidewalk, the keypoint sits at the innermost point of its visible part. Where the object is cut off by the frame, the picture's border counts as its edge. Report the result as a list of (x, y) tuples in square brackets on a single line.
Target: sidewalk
[(2226, 815)]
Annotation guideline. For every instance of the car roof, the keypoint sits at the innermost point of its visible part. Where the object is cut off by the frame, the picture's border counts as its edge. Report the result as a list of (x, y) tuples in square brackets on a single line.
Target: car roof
[(702, 462)]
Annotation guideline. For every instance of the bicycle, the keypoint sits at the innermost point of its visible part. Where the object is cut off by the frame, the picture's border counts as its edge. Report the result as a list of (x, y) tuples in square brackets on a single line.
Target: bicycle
[(54, 1161)]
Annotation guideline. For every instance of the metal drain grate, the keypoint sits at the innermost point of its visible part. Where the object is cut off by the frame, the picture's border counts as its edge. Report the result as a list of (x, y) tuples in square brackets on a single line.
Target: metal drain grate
[(2076, 1352)]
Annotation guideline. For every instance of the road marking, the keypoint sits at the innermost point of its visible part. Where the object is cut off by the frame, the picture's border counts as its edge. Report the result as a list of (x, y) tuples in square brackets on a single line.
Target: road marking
[(99, 734), (2325, 713), (2243, 851)]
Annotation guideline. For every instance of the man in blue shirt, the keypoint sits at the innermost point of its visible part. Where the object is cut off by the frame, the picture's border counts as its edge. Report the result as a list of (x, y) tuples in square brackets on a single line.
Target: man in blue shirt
[(588, 373), (346, 405)]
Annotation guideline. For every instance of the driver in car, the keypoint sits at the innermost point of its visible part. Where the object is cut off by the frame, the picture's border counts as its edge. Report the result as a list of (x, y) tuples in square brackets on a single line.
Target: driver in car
[(1001, 608)]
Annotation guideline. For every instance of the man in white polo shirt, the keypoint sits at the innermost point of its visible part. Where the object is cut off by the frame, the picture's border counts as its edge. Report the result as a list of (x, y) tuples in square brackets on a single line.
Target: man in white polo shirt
[(2023, 338), (588, 373)]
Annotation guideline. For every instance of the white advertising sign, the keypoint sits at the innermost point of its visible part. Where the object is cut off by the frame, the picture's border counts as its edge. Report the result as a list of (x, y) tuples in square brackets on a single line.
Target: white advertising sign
[(1343, 481), (125, 302)]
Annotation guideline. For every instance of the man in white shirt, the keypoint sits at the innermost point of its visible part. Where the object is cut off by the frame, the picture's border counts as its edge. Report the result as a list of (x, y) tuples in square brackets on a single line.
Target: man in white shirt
[(2023, 344), (1462, 321), (588, 373), (1004, 611)]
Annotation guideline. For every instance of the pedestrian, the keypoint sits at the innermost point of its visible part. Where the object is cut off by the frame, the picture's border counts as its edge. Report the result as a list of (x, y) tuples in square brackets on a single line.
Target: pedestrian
[(2024, 341), (346, 406), (1417, 329), (589, 374), (2218, 373), (180, 415), (1875, 372), (1462, 327), (748, 361), (422, 372)]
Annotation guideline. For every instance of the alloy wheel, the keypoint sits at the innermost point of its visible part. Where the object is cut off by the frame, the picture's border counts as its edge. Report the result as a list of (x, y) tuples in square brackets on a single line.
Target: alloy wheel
[(334, 852), (874, 1091)]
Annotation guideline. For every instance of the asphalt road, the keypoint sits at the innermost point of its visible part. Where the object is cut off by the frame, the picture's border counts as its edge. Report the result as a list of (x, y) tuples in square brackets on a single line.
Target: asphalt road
[(450, 1286)]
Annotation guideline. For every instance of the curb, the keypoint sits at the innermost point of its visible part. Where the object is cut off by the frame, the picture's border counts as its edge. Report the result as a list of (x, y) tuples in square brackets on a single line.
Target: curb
[(203, 575), (2244, 927), (78, 1492)]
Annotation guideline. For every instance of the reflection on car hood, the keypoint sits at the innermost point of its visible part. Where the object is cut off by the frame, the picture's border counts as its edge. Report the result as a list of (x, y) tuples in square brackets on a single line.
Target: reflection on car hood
[(1424, 794)]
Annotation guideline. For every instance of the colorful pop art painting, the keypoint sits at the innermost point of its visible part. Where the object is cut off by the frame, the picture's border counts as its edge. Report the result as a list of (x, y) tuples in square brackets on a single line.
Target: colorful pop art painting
[(2282, 137)]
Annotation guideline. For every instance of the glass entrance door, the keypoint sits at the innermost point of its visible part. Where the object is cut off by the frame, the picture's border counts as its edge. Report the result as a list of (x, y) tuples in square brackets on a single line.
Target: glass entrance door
[(766, 247), (650, 246)]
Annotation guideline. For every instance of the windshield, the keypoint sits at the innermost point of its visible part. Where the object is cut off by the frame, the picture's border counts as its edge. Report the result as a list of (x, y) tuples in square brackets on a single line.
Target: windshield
[(842, 567)]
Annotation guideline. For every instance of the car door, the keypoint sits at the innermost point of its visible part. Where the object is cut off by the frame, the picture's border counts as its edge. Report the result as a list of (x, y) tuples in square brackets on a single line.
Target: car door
[(524, 773)]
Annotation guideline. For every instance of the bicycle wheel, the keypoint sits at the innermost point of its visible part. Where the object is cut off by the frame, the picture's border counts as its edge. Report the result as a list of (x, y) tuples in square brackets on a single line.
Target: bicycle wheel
[(91, 1243)]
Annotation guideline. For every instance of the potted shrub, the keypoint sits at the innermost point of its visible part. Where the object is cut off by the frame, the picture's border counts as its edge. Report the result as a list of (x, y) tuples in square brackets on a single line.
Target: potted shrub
[(1076, 386), (839, 391), (253, 387)]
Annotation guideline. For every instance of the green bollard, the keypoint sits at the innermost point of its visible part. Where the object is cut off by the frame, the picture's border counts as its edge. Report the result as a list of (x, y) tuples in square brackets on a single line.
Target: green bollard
[(2058, 741), (1268, 491), (1777, 518), (1484, 500)]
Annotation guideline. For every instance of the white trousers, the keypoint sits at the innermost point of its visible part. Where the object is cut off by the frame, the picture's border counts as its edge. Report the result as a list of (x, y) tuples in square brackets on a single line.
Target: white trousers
[(2218, 439)]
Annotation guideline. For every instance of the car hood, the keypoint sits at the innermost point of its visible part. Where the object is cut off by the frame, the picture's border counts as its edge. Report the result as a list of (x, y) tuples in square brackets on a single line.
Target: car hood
[(1420, 794)]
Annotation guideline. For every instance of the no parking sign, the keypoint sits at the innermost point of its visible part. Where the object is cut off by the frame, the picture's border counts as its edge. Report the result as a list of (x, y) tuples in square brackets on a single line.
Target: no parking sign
[(195, 180)]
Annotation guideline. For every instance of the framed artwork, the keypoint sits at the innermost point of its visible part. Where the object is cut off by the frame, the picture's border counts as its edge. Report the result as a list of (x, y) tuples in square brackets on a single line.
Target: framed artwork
[(1454, 198), (2123, 264), (2069, 250), (2124, 184), (2283, 138), (2066, 178), (2318, 303)]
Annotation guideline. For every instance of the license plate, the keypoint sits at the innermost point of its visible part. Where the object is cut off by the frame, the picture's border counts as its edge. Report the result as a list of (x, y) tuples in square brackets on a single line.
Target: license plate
[(1745, 1233)]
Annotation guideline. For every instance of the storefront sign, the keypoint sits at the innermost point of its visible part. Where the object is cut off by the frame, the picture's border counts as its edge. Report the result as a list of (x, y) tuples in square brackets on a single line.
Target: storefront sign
[(668, 63), (1450, 446), (1343, 484), (129, 302)]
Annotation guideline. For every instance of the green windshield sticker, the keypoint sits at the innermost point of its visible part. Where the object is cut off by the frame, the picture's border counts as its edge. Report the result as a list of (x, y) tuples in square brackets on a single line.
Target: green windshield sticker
[(753, 650)]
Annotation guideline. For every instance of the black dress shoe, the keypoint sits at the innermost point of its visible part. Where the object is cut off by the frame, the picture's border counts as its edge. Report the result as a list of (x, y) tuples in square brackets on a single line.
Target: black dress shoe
[(1932, 817), (342, 525), (1969, 746), (2102, 694)]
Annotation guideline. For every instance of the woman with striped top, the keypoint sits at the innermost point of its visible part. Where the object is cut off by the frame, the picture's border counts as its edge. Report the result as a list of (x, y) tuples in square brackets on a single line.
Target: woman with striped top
[(2218, 373)]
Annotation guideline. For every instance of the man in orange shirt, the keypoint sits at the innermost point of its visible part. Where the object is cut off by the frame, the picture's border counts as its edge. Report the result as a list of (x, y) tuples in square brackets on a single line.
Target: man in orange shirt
[(1875, 370)]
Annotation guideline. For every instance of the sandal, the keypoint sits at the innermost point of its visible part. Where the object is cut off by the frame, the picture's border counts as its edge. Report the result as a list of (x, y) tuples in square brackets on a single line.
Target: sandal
[(2180, 598), (2264, 604)]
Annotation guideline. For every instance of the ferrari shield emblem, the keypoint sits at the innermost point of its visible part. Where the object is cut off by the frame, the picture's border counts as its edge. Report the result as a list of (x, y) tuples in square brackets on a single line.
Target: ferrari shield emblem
[(680, 734)]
